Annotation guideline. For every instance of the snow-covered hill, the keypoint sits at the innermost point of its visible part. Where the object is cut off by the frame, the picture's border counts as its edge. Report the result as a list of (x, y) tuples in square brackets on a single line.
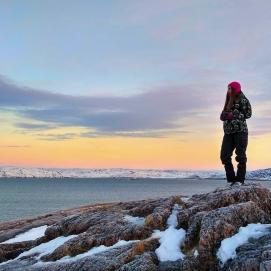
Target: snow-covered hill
[(261, 174), (104, 173)]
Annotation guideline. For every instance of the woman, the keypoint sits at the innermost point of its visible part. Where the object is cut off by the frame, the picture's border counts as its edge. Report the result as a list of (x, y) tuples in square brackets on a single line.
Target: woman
[(236, 110)]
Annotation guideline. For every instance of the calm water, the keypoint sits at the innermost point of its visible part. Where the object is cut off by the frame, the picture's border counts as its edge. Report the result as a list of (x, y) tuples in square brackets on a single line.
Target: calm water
[(21, 198)]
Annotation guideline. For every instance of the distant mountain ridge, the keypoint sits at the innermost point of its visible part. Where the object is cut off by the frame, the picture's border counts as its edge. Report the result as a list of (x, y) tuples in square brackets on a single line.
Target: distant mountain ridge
[(39, 172)]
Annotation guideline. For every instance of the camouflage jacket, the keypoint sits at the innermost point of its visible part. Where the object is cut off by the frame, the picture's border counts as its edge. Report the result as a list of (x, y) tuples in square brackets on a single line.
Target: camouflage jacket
[(241, 110)]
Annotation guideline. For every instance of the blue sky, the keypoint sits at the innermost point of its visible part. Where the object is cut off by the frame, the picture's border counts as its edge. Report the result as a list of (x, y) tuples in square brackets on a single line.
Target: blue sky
[(124, 47), (156, 69)]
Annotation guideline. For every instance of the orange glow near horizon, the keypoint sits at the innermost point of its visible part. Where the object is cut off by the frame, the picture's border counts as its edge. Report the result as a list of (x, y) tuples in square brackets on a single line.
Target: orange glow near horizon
[(184, 152)]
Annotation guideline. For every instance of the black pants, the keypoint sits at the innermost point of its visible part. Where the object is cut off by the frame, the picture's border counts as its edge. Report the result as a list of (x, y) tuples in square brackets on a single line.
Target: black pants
[(239, 142)]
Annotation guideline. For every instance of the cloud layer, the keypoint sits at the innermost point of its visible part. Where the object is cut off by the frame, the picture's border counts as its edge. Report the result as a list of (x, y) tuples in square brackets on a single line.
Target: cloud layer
[(150, 113)]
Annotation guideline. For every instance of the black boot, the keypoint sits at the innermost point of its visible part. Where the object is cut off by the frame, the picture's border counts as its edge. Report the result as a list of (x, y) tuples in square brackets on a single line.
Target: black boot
[(241, 173), (230, 174)]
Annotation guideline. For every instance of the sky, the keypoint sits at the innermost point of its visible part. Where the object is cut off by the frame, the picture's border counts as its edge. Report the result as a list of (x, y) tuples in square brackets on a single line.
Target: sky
[(130, 84)]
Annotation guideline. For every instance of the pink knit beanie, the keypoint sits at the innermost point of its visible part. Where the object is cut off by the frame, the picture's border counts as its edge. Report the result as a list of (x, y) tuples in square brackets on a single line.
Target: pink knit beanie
[(236, 86)]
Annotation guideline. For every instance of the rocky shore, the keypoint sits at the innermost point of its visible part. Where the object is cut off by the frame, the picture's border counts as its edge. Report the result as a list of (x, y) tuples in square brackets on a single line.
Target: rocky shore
[(205, 232)]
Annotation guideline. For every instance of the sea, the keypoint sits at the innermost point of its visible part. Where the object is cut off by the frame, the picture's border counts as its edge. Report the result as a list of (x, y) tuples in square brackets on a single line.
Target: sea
[(29, 197)]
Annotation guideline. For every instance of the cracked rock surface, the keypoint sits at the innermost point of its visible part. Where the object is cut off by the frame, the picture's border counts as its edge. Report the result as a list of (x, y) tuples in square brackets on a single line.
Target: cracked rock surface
[(104, 240)]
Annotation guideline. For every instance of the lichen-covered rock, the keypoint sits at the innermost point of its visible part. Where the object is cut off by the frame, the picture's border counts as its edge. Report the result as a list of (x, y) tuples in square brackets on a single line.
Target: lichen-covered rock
[(145, 262), (224, 196), (114, 259), (207, 218), (252, 256), (11, 228), (11, 251), (225, 222), (193, 232), (187, 264), (102, 234), (157, 219), (79, 223)]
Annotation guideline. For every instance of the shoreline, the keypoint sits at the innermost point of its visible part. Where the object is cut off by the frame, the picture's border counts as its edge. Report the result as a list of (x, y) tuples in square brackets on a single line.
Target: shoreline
[(95, 193)]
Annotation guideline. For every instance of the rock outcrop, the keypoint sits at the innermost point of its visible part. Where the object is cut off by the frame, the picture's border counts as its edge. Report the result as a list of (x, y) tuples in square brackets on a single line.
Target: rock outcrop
[(255, 255), (111, 237)]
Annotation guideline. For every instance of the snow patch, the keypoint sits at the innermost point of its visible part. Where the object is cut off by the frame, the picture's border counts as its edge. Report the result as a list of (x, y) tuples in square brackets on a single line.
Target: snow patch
[(135, 219), (46, 248), (185, 199), (196, 253), (96, 250), (31, 234), (170, 239), (43, 249), (227, 249)]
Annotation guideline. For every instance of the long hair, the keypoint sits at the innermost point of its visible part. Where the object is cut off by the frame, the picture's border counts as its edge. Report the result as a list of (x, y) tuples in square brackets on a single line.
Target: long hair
[(226, 101), (230, 100)]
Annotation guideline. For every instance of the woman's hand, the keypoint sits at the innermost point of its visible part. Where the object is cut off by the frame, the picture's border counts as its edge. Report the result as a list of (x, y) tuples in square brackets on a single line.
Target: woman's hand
[(226, 115)]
